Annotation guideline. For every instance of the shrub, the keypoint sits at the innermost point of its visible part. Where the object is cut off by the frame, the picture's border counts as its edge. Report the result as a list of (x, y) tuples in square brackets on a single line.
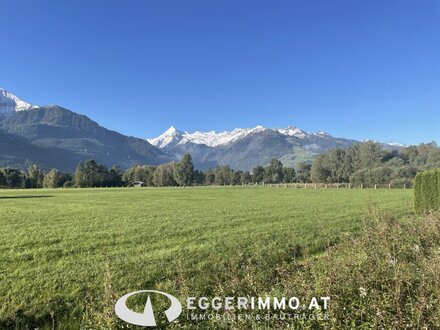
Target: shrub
[(68, 184), (427, 191)]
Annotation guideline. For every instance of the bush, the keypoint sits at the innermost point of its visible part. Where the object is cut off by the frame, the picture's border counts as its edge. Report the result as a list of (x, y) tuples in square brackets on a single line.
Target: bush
[(427, 191), (68, 184)]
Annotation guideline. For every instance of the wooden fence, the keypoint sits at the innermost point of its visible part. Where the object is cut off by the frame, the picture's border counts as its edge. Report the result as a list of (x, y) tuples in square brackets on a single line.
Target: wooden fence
[(272, 185), (322, 186)]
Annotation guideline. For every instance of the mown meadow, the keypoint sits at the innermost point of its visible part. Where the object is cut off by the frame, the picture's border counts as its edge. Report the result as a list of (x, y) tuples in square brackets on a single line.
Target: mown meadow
[(68, 254)]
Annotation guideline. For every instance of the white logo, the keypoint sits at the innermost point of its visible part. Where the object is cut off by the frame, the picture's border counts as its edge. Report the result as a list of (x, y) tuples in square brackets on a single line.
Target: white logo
[(146, 318)]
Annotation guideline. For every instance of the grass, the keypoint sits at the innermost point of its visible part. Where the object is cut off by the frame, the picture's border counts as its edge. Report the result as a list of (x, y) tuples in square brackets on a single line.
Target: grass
[(67, 254)]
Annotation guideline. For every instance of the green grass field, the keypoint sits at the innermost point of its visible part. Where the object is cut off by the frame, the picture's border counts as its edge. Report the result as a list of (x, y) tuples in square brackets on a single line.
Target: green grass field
[(56, 244)]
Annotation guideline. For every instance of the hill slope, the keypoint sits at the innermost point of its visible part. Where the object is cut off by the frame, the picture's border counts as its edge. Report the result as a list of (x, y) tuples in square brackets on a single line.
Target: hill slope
[(50, 132)]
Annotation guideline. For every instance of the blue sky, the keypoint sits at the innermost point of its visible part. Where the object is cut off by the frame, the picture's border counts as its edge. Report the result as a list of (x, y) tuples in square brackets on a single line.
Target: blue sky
[(358, 69)]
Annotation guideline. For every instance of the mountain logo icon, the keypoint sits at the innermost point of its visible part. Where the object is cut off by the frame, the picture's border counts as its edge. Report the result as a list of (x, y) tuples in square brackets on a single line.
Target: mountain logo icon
[(146, 318)]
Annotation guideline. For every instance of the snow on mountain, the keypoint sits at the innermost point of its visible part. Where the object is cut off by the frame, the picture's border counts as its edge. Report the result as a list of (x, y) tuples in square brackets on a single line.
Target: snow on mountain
[(173, 136), (169, 138), (396, 144), (293, 131), (214, 139), (10, 103), (322, 134)]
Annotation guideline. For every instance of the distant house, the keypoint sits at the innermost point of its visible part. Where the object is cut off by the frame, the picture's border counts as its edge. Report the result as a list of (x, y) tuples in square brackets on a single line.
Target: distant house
[(137, 184)]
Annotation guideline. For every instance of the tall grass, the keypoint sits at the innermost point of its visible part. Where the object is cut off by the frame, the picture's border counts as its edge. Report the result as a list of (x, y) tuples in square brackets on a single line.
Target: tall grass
[(388, 277)]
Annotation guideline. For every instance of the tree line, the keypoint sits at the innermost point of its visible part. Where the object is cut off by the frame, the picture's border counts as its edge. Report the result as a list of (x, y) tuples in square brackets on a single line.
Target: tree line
[(88, 173), (366, 163), (33, 177), (369, 163)]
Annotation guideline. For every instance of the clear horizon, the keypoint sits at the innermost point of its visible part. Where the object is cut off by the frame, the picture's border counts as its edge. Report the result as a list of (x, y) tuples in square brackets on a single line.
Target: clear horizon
[(354, 70)]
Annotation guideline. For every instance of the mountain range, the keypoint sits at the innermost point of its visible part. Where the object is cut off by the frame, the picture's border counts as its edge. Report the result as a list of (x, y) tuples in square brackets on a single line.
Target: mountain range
[(245, 148), (55, 137)]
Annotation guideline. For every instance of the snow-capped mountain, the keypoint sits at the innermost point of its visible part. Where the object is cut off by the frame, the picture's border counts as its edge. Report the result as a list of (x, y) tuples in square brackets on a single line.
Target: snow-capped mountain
[(10, 103), (173, 137), (170, 138), (244, 148), (54, 136)]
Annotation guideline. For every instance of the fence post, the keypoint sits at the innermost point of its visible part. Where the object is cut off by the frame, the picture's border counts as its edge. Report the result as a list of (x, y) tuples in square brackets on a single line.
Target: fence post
[(389, 186), (404, 186), (305, 185), (375, 186), (349, 186)]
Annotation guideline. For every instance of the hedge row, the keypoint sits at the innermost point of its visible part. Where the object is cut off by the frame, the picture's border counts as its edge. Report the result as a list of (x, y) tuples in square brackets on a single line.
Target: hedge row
[(427, 191)]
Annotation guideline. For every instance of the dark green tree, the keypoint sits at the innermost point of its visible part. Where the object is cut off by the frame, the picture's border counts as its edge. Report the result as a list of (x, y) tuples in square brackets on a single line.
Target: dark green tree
[(236, 177), (370, 154), (185, 171), (63, 178), (199, 178), (258, 174), (113, 177), (14, 178), (289, 174), (246, 177), (89, 174), (209, 177), (223, 175), (274, 172), (303, 172), (2, 179)]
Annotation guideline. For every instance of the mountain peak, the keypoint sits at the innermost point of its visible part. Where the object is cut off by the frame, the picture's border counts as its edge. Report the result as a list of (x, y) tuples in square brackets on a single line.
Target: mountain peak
[(172, 130), (293, 131), (10, 103), (169, 138)]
